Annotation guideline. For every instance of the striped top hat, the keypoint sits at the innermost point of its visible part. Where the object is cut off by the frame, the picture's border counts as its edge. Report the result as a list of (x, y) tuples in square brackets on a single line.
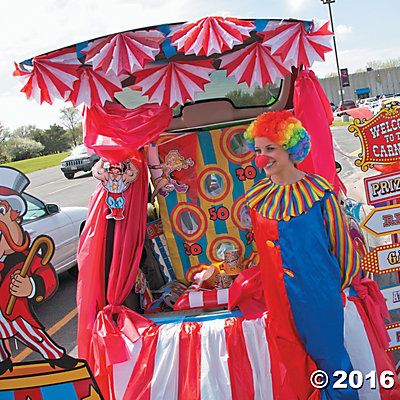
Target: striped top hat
[(12, 184)]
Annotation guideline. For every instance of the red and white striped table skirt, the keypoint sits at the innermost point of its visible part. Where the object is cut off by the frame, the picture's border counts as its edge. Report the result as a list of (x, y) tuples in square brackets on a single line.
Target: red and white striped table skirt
[(224, 359), (215, 359)]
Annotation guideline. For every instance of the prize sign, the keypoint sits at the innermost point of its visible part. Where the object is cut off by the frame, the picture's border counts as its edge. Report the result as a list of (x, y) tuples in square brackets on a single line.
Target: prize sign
[(383, 220), (382, 259), (382, 188), (392, 297), (380, 138), (394, 333)]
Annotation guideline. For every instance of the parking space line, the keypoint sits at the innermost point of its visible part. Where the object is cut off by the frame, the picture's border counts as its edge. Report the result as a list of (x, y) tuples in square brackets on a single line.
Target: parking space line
[(53, 330), (47, 183), (356, 152), (64, 188)]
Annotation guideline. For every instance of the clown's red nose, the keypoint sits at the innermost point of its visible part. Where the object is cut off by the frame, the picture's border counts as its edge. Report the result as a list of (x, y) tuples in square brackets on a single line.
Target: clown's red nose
[(261, 161)]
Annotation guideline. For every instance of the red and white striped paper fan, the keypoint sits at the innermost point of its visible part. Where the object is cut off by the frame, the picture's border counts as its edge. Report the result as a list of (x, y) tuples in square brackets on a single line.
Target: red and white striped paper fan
[(124, 53), (295, 45), (254, 65), (175, 82), (50, 76), (211, 35), (94, 87)]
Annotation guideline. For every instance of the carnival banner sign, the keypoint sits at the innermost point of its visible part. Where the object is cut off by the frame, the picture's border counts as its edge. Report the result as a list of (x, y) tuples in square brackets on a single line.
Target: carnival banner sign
[(382, 259), (392, 297), (383, 220), (383, 187), (394, 333), (380, 138)]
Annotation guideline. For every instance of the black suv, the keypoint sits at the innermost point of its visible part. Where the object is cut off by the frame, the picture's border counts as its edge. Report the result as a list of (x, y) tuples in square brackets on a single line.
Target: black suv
[(78, 160)]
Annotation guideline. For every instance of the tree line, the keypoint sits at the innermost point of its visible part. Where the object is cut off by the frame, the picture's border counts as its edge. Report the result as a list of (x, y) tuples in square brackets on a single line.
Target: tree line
[(374, 64), (28, 141)]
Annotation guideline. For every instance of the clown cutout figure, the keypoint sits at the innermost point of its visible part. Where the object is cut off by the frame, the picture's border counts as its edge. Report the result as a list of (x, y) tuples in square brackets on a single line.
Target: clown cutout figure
[(165, 183), (26, 277), (115, 179)]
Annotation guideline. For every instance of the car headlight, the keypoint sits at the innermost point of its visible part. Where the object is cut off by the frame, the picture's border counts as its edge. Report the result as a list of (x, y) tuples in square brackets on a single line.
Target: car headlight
[(63, 164), (86, 160)]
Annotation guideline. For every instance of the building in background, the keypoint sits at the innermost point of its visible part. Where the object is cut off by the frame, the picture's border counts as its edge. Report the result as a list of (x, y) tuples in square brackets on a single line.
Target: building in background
[(364, 84)]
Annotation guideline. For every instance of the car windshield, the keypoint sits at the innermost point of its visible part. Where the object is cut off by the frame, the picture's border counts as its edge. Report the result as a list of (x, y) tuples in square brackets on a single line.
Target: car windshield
[(220, 87), (348, 102), (81, 149), (36, 208)]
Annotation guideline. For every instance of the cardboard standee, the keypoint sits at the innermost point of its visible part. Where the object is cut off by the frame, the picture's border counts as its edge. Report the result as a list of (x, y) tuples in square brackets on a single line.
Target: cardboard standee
[(380, 145)]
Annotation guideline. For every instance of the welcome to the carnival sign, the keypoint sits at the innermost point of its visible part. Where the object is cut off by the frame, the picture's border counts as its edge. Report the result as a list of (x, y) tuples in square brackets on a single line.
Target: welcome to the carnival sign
[(380, 138)]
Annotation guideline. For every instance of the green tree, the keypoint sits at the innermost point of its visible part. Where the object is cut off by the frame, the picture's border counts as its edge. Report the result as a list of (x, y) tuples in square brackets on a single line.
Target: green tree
[(379, 64), (54, 139), (330, 75), (25, 131), (260, 96), (71, 120), (4, 135), (20, 148)]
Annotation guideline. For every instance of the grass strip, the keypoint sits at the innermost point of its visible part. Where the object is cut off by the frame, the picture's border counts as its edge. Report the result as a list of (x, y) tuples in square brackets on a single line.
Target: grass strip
[(38, 163)]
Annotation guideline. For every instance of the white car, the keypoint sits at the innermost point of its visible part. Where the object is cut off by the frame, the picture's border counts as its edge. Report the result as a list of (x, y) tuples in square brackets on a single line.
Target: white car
[(63, 225)]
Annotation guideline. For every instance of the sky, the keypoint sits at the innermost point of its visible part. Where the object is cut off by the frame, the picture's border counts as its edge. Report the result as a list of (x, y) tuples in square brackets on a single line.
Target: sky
[(365, 31)]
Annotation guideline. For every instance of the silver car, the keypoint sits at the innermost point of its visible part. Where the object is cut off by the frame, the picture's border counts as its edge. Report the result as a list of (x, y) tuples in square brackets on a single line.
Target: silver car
[(64, 225)]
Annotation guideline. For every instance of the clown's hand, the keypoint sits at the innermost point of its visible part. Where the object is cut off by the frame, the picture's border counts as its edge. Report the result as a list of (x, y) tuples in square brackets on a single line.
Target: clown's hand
[(20, 286)]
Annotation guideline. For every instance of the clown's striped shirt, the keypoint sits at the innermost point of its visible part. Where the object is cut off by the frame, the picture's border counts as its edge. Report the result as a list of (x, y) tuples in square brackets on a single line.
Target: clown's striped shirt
[(279, 202)]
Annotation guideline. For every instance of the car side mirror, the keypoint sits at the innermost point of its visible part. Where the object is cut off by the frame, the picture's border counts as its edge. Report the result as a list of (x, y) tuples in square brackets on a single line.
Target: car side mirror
[(338, 167), (52, 208)]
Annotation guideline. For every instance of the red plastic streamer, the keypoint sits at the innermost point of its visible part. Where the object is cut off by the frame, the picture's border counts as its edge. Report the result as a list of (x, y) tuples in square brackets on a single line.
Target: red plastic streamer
[(114, 132)]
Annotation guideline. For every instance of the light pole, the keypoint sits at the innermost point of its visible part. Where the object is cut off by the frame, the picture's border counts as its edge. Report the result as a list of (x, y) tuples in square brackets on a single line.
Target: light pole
[(334, 47)]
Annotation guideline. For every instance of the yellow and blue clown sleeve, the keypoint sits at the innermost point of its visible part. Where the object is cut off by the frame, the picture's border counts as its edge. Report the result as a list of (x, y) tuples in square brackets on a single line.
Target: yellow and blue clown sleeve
[(340, 240)]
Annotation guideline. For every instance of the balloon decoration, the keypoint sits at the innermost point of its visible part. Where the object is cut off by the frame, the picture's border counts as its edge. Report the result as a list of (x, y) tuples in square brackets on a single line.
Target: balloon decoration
[(211, 35)]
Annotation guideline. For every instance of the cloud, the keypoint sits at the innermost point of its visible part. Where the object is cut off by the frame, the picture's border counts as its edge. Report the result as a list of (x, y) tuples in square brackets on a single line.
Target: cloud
[(343, 30), (298, 5)]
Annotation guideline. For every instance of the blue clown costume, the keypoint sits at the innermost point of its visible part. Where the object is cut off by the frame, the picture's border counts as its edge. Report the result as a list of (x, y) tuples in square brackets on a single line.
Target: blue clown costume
[(309, 270)]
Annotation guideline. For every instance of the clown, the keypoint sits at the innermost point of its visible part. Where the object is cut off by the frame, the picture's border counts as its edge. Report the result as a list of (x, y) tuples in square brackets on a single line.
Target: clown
[(115, 178), (39, 284), (308, 263)]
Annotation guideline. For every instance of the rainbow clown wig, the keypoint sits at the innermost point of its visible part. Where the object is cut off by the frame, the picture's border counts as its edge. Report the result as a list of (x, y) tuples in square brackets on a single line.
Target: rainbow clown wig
[(282, 128)]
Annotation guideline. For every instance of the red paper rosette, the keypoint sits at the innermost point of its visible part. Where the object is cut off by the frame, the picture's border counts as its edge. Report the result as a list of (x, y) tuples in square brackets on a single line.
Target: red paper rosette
[(50, 76), (295, 45), (175, 82), (124, 52), (94, 87), (254, 65), (211, 35)]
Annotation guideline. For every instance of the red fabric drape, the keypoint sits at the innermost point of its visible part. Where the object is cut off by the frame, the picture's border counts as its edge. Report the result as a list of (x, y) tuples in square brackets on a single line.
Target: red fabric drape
[(312, 108), (94, 321), (115, 134), (129, 237), (91, 291), (113, 131)]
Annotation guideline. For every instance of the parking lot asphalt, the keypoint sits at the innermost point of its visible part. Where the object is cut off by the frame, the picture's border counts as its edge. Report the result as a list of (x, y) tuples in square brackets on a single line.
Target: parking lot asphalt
[(51, 186)]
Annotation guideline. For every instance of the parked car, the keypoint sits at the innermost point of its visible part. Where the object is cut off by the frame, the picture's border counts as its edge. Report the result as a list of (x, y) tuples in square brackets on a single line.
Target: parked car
[(346, 105), (78, 160), (63, 225)]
